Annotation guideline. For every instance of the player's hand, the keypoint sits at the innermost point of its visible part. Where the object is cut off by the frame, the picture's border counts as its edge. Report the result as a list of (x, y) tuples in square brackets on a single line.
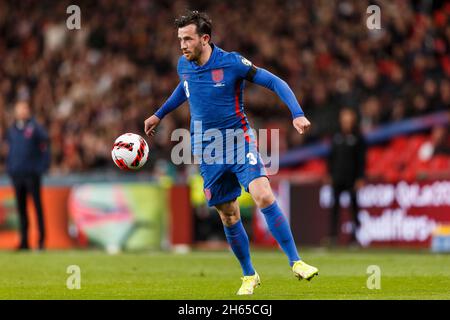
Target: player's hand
[(150, 125), (301, 124)]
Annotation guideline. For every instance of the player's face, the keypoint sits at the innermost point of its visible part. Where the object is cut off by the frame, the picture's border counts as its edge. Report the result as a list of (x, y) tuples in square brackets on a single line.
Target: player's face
[(191, 44)]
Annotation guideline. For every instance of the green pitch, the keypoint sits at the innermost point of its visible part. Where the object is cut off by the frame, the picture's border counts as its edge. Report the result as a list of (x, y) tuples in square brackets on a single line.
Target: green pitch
[(216, 275)]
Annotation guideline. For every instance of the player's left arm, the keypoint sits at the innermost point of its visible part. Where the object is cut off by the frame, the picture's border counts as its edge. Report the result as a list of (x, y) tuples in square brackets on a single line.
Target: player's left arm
[(270, 81)]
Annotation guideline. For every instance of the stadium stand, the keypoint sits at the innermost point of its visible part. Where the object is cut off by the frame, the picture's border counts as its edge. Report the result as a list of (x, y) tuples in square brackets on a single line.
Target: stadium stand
[(89, 85)]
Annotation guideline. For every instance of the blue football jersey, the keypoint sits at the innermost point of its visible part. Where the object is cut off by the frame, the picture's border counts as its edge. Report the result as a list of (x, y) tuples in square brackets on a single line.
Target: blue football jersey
[(215, 93)]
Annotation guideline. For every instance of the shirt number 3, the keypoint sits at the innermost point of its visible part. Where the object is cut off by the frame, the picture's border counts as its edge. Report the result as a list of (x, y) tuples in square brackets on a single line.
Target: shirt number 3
[(252, 159), (186, 88)]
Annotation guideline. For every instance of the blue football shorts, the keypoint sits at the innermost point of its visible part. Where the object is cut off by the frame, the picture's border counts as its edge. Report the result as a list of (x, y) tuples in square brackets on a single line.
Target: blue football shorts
[(222, 182)]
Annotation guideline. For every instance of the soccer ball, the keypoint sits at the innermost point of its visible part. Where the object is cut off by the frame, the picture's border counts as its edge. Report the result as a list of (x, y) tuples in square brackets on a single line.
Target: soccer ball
[(130, 151)]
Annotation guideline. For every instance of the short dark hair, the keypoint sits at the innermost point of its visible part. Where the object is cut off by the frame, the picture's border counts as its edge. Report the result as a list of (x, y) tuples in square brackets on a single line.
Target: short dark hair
[(199, 19)]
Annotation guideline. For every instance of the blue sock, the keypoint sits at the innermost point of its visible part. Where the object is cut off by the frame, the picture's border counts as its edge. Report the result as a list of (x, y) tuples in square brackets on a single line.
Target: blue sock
[(281, 231), (238, 241)]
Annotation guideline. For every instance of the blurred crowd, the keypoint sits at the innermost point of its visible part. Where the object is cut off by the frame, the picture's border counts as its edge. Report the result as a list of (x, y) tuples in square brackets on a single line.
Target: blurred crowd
[(90, 85)]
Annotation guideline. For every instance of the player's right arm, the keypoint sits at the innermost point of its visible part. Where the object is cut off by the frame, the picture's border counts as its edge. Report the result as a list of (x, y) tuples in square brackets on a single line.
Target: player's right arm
[(177, 98)]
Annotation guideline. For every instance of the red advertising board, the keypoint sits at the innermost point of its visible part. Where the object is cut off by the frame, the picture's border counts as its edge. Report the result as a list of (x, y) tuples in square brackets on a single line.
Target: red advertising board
[(54, 202), (400, 214)]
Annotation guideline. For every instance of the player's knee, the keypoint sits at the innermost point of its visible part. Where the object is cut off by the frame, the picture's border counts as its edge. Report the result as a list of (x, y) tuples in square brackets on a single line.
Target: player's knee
[(228, 213), (264, 198), (229, 220), (227, 208)]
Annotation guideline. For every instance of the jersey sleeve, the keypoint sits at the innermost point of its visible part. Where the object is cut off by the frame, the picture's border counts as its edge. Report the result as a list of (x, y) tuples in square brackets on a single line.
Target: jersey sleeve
[(243, 67), (177, 98), (270, 81)]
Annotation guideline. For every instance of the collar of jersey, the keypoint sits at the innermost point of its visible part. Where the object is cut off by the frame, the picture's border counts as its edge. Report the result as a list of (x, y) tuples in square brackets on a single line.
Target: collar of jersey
[(210, 60)]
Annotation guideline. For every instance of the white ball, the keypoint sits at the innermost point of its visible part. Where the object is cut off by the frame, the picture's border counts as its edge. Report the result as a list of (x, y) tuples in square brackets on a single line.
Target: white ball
[(130, 151)]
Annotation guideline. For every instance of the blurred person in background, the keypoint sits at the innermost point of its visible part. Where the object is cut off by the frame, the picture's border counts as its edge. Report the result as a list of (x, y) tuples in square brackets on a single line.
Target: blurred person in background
[(28, 158), (434, 155), (346, 167), (438, 144)]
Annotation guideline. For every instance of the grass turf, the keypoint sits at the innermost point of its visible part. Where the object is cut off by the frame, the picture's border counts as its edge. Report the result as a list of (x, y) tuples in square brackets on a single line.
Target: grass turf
[(216, 275)]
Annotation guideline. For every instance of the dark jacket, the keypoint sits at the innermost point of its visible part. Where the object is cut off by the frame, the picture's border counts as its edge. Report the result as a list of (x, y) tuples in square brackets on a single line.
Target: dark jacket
[(346, 162), (29, 149)]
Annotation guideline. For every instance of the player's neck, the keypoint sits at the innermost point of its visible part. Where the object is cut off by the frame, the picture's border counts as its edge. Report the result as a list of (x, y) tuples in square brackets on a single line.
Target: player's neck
[(205, 55)]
